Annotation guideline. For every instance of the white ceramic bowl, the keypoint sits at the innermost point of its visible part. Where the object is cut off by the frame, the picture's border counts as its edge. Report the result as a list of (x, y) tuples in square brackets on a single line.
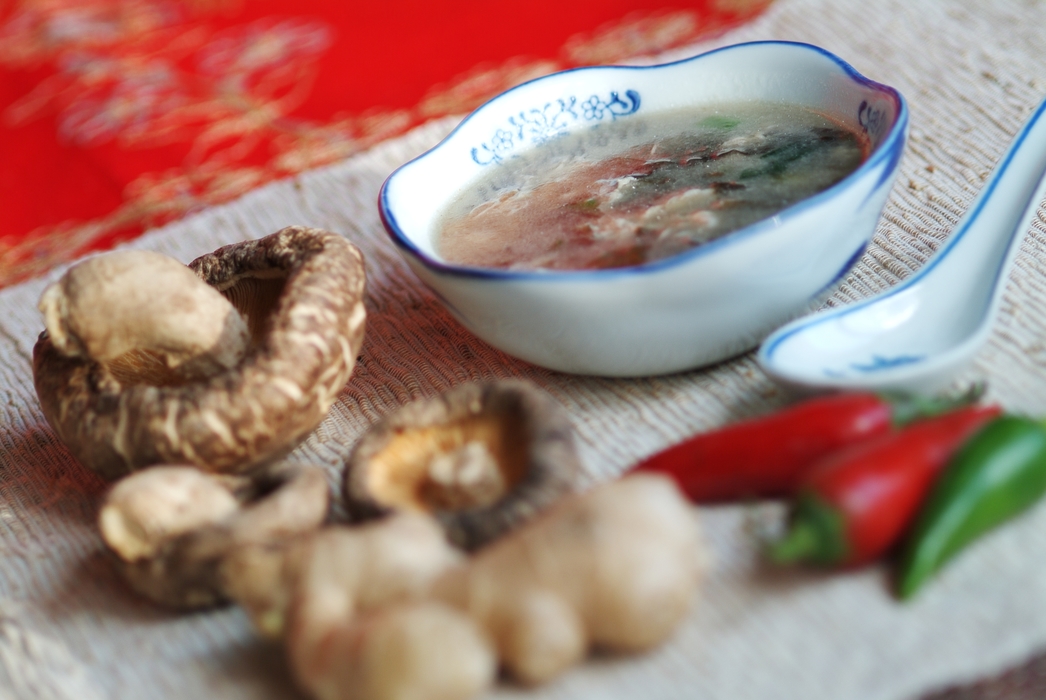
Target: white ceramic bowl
[(693, 309)]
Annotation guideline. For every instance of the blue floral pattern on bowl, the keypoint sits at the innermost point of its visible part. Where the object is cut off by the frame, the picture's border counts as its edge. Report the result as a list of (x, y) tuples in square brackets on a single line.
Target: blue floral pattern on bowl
[(873, 120), (539, 124), (877, 363), (693, 309)]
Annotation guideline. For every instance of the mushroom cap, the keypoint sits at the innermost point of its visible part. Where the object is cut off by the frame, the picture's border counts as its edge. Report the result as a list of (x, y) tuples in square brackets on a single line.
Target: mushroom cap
[(300, 291), (158, 504), (481, 458), (185, 569)]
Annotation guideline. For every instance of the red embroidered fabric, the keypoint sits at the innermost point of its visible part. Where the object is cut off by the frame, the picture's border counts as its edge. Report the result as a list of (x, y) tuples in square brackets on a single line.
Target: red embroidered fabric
[(120, 115)]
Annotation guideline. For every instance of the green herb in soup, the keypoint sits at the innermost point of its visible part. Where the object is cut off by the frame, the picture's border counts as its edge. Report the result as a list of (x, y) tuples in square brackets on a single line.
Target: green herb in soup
[(644, 189)]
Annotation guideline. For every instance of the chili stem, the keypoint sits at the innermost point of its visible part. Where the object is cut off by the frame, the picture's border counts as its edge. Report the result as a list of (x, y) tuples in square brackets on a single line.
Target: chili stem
[(801, 542)]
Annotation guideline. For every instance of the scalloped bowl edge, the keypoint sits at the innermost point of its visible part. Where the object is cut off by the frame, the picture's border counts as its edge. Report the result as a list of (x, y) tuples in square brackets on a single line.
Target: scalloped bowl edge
[(693, 309)]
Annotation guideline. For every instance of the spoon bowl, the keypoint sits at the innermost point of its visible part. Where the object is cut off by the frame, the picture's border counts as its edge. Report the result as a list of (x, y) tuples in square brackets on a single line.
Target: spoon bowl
[(917, 335)]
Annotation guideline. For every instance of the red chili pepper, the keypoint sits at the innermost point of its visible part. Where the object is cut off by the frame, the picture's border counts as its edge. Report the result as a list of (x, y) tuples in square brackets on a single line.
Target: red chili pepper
[(767, 456), (855, 504)]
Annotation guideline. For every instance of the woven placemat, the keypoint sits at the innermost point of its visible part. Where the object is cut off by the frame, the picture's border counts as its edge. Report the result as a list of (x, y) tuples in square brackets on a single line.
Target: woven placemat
[(972, 72)]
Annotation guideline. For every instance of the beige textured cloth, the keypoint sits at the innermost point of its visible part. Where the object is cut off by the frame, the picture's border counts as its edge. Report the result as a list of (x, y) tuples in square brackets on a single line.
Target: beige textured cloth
[(972, 72)]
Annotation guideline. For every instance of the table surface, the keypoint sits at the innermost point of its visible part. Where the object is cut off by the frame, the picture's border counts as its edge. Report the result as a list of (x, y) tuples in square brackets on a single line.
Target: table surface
[(971, 71)]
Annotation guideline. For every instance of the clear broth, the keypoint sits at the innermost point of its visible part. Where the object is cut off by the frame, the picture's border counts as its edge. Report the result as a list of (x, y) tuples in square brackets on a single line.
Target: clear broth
[(646, 188)]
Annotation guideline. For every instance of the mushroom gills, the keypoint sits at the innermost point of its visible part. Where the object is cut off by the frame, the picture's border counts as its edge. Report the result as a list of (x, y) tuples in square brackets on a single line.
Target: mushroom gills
[(481, 458), (471, 463), (255, 296), (145, 367)]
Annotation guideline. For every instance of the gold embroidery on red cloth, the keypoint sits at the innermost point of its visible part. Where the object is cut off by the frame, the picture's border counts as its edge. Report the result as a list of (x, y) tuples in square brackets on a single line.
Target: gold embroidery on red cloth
[(635, 35), (740, 6), (120, 74), (480, 84)]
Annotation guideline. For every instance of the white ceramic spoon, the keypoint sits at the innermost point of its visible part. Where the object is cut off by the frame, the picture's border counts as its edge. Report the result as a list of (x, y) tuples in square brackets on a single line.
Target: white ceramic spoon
[(917, 335)]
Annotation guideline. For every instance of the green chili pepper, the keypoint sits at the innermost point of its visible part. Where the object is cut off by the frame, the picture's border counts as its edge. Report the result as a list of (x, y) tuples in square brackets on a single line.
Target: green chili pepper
[(997, 475)]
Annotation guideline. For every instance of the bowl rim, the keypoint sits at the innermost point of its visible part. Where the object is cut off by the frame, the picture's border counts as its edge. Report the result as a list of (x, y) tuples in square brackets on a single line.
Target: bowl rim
[(890, 150)]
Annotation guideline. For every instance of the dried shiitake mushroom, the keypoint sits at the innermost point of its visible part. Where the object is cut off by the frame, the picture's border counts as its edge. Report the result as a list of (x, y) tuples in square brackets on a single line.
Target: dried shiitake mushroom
[(481, 458), (225, 364), (172, 527)]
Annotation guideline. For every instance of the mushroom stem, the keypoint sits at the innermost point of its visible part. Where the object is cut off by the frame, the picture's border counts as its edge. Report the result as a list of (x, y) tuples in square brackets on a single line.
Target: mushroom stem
[(140, 301)]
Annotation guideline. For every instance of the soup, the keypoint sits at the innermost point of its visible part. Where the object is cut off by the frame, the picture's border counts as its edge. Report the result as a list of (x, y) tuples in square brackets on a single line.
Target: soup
[(645, 188)]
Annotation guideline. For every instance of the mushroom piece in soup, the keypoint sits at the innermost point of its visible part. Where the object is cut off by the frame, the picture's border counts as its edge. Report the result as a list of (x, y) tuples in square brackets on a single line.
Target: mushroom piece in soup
[(646, 188)]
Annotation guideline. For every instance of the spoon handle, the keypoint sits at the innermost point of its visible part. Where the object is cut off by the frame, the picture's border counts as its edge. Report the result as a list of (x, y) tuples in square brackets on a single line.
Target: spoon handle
[(916, 335), (988, 236)]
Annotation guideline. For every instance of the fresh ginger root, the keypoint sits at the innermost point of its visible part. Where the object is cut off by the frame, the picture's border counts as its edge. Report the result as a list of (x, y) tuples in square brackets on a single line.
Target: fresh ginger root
[(344, 572), (348, 602), (390, 611), (337, 571), (615, 568), (409, 651)]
